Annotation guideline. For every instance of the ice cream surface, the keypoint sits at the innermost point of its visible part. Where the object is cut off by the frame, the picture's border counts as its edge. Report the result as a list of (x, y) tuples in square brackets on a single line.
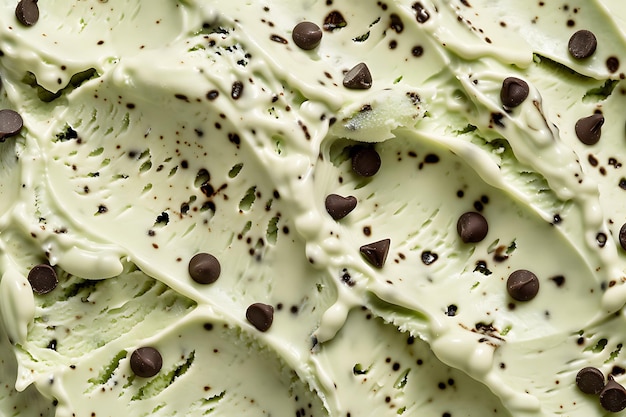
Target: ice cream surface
[(396, 208)]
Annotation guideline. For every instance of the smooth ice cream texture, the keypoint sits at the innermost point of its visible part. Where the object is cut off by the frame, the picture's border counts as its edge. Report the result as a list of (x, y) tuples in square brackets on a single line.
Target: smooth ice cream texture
[(312, 208)]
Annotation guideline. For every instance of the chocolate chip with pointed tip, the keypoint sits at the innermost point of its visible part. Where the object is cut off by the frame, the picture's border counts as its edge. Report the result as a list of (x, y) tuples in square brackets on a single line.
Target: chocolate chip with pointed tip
[(472, 227), (204, 268), (11, 123), (306, 35), (146, 362), (365, 161), (590, 380), (376, 253), (43, 279), (582, 44), (260, 316), (522, 285), (27, 12), (589, 129), (613, 396), (338, 206), (358, 78), (513, 92)]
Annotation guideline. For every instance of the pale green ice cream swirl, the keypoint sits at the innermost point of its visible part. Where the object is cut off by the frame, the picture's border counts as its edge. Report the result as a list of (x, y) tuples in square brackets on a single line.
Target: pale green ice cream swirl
[(158, 129)]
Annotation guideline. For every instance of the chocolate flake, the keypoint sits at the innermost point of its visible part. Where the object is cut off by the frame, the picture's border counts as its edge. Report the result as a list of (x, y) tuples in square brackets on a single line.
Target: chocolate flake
[(522, 285), (588, 129), (338, 206), (582, 44), (358, 78), (11, 123), (613, 396), (590, 380), (306, 35), (27, 12), (376, 253), (472, 227), (334, 20), (204, 268), (260, 316), (513, 92), (146, 362), (42, 279), (366, 161)]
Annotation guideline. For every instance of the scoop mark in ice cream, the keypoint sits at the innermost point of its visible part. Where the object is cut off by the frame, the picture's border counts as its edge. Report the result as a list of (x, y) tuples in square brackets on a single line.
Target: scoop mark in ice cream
[(582, 44), (27, 12), (204, 268), (365, 161), (11, 123), (376, 253), (338, 206), (513, 92), (472, 227), (43, 279), (590, 380), (613, 396), (306, 35), (522, 285), (260, 316), (146, 362), (358, 78), (588, 129)]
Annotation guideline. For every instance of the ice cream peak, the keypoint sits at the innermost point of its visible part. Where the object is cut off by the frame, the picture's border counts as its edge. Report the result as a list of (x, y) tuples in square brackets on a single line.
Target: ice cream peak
[(399, 208)]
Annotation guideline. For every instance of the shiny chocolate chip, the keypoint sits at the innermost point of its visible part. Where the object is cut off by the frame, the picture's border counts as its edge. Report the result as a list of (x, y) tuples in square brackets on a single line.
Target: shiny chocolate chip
[(472, 227), (11, 123), (582, 44), (513, 92), (622, 236), (366, 161), (27, 12), (358, 78), (146, 362), (307, 35), (260, 316), (522, 285), (43, 279), (613, 396), (204, 268), (376, 253), (338, 206), (590, 380), (588, 129)]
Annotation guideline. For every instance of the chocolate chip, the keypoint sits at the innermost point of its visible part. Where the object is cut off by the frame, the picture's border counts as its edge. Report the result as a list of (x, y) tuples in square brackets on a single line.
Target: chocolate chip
[(472, 227), (338, 206), (204, 268), (358, 78), (429, 257), (613, 396), (146, 362), (366, 161), (513, 92), (590, 380), (43, 279), (522, 285), (10, 123), (421, 14), (376, 252), (27, 12), (334, 20), (622, 236), (236, 90), (588, 129), (582, 44), (612, 64), (307, 35), (260, 316)]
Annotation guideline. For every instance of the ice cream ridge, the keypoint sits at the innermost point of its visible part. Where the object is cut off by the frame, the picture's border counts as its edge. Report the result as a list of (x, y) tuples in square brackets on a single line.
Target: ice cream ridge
[(312, 208)]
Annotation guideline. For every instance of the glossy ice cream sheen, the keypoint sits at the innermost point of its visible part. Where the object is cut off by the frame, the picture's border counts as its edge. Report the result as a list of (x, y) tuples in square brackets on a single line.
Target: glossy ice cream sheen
[(199, 126)]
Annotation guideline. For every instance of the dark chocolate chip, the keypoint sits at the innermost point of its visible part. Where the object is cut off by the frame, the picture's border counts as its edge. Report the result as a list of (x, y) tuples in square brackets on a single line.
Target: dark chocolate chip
[(522, 285), (307, 35), (366, 161), (146, 362), (622, 236), (582, 44), (588, 129), (236, 90), (612, 64), (429, 257), (260, 316), (613, 396), (10, 123), (513, 92), (376, 252), (358, 78), (334, 20), (338, 206), (27, 12), (472, 227), (421, 14), (590, 380), (43, 278), (204, 268)]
